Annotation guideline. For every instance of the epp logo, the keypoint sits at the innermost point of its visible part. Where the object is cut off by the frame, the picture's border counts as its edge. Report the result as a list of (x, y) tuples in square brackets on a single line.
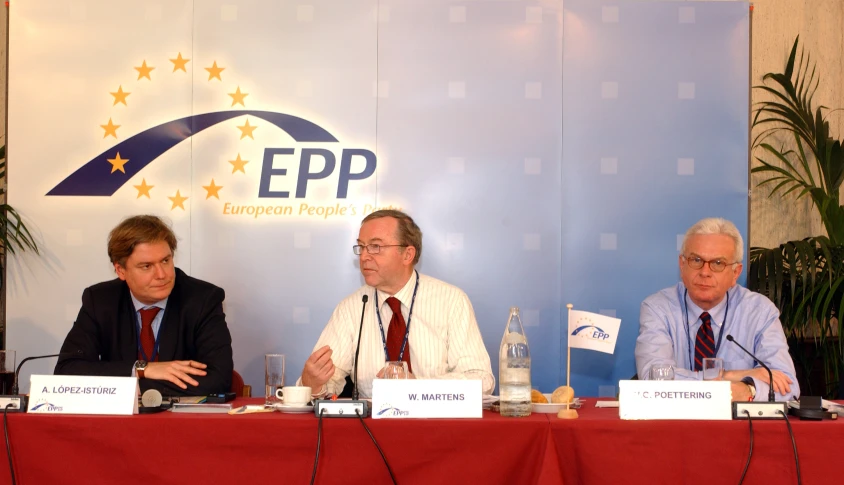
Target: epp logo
[(44, 406), (95, 179), (591, 332)]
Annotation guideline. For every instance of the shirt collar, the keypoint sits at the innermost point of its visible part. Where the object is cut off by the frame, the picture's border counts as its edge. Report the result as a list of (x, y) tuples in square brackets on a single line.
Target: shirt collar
[(140, 306), (404, 295), (718, 312)]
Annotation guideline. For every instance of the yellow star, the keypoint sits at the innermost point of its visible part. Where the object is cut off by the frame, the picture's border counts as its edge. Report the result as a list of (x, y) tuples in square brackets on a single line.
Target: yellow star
[(214, 71), (237, 97), (143, 189), (238, 164), (120, 96), (246, 130), (213, 190), (110, 129), (117, 163), (179, 63), (178, 201), (144, 71)]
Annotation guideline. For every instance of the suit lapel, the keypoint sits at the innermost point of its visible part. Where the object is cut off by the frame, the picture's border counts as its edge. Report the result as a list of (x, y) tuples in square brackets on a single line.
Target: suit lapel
[(168, 334), (128, 324)]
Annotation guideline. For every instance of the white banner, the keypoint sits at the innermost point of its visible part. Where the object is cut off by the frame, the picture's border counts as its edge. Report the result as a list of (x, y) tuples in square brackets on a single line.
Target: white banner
[(83, 395), (593, 331)]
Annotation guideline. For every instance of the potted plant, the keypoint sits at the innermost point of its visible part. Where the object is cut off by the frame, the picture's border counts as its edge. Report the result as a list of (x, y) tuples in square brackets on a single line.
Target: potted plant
[(14, 235), (803, 278)]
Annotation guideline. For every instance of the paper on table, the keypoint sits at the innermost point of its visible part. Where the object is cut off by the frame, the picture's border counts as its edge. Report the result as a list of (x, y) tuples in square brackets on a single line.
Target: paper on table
[(606, 404)]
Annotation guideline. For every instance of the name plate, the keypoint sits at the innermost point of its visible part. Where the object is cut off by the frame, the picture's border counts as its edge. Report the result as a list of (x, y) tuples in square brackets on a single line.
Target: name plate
[(426, 398), (83, 395), (675, 400)]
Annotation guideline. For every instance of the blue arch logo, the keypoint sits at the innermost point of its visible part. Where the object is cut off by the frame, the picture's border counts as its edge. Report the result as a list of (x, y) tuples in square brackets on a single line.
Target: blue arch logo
[(94, 179)]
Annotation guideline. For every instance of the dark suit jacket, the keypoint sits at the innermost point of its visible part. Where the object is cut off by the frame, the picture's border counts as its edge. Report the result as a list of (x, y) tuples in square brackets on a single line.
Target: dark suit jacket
[(104, 337)]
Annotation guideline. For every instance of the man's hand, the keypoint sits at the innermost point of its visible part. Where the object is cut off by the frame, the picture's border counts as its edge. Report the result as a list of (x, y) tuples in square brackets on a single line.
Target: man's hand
[(782, 383), (178, 372), (740, 391), (318, 369)]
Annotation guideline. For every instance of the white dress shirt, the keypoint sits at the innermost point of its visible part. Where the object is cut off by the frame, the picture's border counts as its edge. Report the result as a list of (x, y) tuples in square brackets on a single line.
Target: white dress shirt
[(444, 340)]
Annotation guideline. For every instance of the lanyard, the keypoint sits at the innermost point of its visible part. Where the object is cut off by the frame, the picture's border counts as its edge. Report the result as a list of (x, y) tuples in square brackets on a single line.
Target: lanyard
[(688, 334), (381, 326), (157, 341)]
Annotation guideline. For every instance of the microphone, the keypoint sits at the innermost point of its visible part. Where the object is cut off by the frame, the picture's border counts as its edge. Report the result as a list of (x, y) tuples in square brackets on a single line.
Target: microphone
[(759, 410), (355, 395), (346, 408), (18, 402), (770, 374)]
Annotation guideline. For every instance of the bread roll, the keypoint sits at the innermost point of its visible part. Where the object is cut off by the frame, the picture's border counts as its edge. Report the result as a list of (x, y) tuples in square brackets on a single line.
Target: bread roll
[(537, 397), (562, 395)]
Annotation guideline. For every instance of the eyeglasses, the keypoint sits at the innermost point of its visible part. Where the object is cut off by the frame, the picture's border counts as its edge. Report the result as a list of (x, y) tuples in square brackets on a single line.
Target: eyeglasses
[(716, 265), (374, 248)]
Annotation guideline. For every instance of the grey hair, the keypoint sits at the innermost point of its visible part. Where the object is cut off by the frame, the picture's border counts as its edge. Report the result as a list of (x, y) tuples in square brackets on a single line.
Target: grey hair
[(717, 225)]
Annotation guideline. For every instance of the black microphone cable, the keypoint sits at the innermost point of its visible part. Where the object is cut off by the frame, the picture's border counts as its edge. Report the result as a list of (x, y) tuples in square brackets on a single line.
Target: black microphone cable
[(8, 444), (749, 453), (318, 441), (360, 416), (794, 446)]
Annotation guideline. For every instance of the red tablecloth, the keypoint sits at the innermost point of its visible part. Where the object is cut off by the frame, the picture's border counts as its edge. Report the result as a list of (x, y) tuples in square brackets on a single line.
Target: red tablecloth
[(599, 448), (275, 448)]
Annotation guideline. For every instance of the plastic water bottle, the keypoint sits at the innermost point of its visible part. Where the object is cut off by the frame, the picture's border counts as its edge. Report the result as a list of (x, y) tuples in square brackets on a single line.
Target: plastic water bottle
[(514, 369)]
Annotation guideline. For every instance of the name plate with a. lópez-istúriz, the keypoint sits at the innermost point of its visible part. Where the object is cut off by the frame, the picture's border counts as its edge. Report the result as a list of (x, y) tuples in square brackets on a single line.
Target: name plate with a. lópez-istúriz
[(675, 400), (426, 398), (83, 395)]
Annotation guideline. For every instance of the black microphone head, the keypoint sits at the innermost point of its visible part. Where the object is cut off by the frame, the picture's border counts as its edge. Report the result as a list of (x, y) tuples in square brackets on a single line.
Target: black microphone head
[(365, 298), (729, 337)]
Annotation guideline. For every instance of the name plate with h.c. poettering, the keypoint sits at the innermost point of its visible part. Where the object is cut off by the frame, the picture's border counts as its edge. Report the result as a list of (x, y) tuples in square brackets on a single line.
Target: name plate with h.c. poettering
[(83, 395), (675, 400), (426, 398)]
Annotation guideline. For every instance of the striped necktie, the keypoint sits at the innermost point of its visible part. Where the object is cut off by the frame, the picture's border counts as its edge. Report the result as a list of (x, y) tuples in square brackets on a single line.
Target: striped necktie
[(705, 342)]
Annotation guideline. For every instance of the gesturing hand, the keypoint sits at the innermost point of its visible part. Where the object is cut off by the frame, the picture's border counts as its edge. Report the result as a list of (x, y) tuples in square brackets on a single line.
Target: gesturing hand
[(318, 368)]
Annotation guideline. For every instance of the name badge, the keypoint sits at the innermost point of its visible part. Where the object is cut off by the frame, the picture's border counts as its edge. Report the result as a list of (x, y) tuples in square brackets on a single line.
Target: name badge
[(83, 395), (675, 400), (426, 398)]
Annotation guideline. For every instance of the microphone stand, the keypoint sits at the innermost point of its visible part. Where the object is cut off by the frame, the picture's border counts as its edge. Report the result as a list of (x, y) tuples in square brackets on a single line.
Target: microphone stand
[(759, 409)]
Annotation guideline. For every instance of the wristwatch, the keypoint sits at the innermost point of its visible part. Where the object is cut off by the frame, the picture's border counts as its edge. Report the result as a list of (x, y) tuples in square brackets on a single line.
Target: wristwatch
[(140, 367), (752, 386)]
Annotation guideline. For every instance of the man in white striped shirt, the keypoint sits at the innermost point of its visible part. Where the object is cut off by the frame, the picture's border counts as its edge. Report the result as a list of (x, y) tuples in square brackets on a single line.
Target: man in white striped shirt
[(440, 339)]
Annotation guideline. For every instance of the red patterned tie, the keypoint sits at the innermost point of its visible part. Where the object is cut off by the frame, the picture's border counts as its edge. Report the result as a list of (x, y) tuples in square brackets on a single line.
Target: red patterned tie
[(705, 342), (147, 337), (395, 334)]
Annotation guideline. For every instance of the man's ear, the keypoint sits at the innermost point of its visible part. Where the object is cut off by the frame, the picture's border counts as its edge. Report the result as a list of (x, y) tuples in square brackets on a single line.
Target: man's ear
[(120, 271), (409, 254)]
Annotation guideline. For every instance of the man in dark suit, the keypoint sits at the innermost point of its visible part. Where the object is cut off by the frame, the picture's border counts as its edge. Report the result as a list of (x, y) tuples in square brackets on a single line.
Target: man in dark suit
[(154, 321)]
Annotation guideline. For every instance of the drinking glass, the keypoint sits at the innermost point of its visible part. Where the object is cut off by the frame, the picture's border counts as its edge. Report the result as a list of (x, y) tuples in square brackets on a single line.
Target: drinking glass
[(273, 378), (662, 372), (713, 369), (395, 370)]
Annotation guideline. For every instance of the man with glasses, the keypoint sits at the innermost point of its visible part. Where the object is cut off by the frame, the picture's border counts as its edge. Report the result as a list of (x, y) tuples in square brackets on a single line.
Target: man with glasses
[(683, 324), (409, 317)]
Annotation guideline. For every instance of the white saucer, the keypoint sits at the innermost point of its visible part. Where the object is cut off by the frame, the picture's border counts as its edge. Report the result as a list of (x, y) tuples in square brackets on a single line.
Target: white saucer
[(294, 408)]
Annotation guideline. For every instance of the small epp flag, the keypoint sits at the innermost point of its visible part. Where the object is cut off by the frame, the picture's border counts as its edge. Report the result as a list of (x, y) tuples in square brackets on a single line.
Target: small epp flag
[(593, 331)]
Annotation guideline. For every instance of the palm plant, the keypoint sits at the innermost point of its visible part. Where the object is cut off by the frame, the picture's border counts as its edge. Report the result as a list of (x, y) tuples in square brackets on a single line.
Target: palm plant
[(14, 235), (803, 278)]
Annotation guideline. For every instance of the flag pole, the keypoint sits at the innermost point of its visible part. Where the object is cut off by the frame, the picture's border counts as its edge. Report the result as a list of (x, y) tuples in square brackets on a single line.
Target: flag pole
[(568, 413), (568, 350)]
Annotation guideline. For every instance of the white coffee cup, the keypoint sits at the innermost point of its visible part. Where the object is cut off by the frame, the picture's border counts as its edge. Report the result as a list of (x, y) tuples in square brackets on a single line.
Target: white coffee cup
[(294, 395)]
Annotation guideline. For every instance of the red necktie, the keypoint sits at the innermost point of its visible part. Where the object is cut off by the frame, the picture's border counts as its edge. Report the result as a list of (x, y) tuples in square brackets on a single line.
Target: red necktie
[(395, 334), (147, 337), (705, 342)]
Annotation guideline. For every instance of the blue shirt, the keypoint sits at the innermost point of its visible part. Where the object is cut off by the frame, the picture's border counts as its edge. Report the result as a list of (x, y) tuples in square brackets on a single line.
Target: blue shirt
[(751, 318)]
